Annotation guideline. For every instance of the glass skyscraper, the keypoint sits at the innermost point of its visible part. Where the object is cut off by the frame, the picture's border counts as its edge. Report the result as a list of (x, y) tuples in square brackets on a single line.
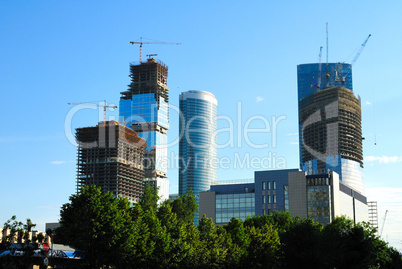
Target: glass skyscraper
[(330, 133), (197, 148), (144, 107)]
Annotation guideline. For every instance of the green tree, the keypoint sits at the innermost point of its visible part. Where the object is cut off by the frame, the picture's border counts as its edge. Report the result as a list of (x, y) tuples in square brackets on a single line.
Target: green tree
[(96, 223), (185, 207), (264, 248), (301, 244)]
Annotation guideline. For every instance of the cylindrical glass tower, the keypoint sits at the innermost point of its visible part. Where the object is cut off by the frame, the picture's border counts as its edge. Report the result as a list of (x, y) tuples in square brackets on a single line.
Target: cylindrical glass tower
[(197, 149)]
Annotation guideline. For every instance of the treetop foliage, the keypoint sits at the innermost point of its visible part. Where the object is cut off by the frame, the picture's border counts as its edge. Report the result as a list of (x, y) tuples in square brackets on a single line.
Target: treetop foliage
[(116, 234)]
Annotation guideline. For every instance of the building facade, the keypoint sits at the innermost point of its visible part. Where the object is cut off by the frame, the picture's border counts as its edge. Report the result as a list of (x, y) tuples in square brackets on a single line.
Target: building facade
[(271, 191), (144, 107), (321, 197), (111, 156), (224, 201), (331, 135), (197, 146), (310, 79)]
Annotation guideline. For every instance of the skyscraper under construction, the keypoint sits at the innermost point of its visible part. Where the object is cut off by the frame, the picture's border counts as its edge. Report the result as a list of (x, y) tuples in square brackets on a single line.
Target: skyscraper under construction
[(111, 156), (144, 107), (330, 131)]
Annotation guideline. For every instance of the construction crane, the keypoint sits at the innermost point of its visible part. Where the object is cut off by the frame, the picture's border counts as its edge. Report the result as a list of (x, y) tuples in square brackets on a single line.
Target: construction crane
[(343, 78), (318, 85), (97, 105), (140, 42), (383, 222)]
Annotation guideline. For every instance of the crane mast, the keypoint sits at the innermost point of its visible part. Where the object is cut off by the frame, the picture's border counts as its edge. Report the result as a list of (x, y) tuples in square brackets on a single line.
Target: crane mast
[(319, 69)]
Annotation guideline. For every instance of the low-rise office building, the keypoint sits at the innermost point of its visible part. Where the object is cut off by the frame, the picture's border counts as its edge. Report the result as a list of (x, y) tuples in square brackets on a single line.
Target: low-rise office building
[(321, 197)]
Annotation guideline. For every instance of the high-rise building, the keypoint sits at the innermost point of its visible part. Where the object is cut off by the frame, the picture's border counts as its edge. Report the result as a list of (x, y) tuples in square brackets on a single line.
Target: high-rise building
[(331, 135), (197, 148), (111, 156), (144, 107)]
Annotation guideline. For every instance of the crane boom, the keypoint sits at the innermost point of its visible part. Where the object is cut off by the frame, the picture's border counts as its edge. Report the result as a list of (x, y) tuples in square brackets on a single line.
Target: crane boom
[(383, 223), (360, 50), (97, 105), (140, 42), (343, 78)]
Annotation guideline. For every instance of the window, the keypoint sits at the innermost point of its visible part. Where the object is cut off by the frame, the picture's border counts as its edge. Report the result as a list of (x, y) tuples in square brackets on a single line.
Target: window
[(274, 184), (263, 211), (269, 199), (269, 185), (274, 197), (264, 199), (246, 189), (263, 185)]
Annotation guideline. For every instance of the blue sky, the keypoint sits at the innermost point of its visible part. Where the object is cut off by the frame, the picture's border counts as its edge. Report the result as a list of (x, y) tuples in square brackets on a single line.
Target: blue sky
[(244, 52)]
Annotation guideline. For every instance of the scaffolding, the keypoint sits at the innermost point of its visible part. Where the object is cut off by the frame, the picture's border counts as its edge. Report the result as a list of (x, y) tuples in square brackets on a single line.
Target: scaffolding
[(111, 156), (373, 214)]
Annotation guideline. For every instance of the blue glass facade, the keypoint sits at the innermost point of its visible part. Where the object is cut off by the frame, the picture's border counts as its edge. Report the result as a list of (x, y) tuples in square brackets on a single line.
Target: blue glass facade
[(236, 200), (197, 148), (271, 190), (308, 77), (350, 172), (144, 107)]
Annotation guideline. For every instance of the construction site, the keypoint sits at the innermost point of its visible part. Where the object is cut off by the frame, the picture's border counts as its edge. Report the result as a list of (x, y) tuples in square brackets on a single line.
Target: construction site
[(338, 129), (111, 156)]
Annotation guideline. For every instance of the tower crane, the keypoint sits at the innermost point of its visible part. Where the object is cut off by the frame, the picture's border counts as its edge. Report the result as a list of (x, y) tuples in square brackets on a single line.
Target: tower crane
[(97, 105), (318, 85), (140, 42), (383, 222), (343, 79)]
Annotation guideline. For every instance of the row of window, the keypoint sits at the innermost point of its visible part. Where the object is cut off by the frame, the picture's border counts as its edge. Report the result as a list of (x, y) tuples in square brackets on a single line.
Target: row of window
[(238, 205), (235, 200), (234, 195), (267, 185), (266, 198)]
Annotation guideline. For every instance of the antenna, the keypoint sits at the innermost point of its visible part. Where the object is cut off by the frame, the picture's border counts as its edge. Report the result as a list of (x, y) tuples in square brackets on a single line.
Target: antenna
[(327, 75), (327, 43)]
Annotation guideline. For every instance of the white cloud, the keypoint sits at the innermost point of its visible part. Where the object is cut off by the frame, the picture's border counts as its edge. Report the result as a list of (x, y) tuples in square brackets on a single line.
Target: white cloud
[(368, 103), (50, 207), (58, 162), (294, 143), (258, 99), (292, 134), (383, 159), (388, 199)]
